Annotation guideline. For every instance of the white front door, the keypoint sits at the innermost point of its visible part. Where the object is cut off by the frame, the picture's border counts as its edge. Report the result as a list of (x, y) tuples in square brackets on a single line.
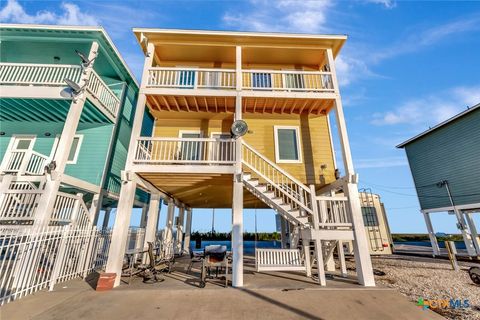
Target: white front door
[(20, 147)]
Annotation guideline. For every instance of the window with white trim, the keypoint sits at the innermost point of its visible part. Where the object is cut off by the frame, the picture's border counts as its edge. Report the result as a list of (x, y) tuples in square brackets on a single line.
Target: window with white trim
[(287, 144), (75, 149)]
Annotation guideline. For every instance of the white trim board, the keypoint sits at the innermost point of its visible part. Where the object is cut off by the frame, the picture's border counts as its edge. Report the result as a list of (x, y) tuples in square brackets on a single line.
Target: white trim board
[(299, 144)]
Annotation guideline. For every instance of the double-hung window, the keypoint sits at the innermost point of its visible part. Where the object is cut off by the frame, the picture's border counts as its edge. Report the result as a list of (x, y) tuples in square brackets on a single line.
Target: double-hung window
[(287, 144)]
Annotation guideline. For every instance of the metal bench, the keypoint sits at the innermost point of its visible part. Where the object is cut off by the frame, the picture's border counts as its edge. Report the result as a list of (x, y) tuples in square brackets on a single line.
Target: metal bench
[(279, 260)]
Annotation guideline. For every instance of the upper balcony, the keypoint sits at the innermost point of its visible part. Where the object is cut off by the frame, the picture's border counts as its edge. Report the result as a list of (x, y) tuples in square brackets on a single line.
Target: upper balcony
[(46, 81), (189, 70)]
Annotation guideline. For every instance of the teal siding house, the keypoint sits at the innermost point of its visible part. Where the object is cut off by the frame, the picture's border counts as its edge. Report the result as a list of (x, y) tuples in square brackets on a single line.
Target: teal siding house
[(67, 102), (445, 165)]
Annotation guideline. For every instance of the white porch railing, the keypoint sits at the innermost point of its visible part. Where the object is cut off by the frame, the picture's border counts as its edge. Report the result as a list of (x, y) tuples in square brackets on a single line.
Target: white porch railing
[(103, 94), (70, 209), (19, 207), (191, 78), (54, 75), (281, 80), (185, 151), (38, 74), (333, 212), (34, 259), (25, 162)]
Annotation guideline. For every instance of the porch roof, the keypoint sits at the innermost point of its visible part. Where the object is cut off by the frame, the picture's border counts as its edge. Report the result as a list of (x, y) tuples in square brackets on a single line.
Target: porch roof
[(261, 47), (46, 110)]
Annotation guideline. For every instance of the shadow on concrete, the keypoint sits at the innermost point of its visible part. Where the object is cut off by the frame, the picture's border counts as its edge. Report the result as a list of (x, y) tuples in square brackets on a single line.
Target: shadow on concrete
[(299, 312), (92, 279)]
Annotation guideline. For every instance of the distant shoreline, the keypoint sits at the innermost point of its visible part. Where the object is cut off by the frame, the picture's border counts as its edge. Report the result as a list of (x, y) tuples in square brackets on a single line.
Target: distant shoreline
[(408, 237)]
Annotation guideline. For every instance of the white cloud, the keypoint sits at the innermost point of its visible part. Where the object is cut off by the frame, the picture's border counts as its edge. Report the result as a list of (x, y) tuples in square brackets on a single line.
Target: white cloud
[(71, 14), (419, 39), (430, 110), (389, 4), (284, 15), (380, 162)]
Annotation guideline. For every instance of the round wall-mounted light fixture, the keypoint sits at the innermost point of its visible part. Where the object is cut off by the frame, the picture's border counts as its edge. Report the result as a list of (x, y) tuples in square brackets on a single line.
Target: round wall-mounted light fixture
[(2, 133), (47, 134)]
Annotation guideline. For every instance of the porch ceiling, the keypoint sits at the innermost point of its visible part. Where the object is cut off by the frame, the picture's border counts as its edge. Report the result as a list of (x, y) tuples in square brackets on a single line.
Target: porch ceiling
[(45, 110), (200, 190), (162, 105)]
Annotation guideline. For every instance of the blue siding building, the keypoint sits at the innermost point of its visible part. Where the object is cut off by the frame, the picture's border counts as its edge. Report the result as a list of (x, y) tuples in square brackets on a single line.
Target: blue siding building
[(445, 165)]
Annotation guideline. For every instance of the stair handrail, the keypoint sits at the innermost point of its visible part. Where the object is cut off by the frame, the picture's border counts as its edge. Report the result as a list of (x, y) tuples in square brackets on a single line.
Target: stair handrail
[(307, 191), (285, 173)]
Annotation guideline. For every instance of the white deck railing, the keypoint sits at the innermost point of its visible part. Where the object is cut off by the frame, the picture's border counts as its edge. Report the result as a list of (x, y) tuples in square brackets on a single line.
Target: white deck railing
[(54, 75), (185, 151), (333, 211), (191, 78), (25, 162), (280, 80), (19, 207), (103, 94), (266, 80), (38, 74), (33, 259)]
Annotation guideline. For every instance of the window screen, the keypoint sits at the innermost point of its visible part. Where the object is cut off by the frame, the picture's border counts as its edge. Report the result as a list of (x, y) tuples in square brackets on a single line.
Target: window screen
[(369, 216), (287, 144)]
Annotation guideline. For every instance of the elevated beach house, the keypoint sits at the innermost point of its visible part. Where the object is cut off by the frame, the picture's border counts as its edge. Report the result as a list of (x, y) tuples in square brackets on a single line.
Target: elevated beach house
[(445, 165), (67, 103), (241, 120)]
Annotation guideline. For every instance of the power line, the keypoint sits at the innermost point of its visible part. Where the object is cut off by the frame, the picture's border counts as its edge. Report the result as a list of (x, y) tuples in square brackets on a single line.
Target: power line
[(427, 196)]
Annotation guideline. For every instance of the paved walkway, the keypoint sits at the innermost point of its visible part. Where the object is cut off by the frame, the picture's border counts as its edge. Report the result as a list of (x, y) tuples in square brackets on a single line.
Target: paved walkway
[(273, 295)]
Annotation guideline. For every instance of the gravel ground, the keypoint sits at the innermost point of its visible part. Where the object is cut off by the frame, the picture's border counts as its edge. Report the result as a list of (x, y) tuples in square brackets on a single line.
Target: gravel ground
[(429, 278)]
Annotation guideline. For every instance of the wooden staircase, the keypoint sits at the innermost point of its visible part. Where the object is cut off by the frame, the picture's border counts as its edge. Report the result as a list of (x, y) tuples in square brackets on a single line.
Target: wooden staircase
[(316, 216), (321, 220)]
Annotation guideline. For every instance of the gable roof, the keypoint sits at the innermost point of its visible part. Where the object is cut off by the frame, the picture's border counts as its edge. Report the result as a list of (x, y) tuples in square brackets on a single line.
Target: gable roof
[(73, 31), (461, 114)]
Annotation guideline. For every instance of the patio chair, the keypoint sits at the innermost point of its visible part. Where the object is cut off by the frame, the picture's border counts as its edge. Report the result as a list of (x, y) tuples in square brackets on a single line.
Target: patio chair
[(194, 258)]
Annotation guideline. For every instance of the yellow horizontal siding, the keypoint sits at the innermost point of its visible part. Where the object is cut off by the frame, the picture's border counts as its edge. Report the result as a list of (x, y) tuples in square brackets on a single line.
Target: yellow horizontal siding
[(314, 140)]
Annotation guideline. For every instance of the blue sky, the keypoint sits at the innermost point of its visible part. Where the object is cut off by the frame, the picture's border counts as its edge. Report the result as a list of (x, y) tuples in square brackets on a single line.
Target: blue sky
[(406, 66)]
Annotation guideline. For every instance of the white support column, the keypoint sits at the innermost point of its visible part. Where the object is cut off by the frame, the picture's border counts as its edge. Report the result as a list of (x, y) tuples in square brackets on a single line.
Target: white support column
[(294, 236), (320, 265), (152, 218), (283, 230), (168, 231), (140, 108), (431, 234), (237, 201), (467, 238), (360, 244), (106, 218), (95, 207), (120, 229), (308, 261), (473, 231), (127, 192), (188, 231), (180, 223), (144, 217), (330, 263), (361, 250), (49, 195), (341, 258)]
